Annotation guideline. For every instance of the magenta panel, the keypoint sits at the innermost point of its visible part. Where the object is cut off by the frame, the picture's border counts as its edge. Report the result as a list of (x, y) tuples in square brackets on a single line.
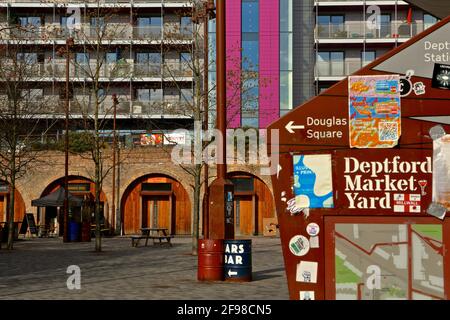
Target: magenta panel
[(269, 62), (233, 17)]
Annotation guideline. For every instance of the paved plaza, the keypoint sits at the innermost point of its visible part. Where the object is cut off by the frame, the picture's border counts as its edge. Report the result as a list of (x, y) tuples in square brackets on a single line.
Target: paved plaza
[(36, 269)]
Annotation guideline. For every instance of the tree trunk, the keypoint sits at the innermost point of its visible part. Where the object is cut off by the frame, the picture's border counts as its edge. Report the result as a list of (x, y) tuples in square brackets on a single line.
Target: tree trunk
[(196, 218), (11, 230), (98, 233)]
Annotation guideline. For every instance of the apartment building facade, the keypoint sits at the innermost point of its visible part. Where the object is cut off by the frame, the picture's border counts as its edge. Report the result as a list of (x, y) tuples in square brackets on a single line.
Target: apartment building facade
[(348, 35)]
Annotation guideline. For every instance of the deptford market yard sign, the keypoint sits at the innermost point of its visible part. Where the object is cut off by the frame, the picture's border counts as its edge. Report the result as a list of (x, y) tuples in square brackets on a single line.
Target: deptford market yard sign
[(397, 182)]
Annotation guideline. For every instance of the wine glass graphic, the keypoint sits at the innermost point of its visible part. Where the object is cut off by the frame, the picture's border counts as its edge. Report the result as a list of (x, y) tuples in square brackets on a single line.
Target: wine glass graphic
[(423, 184)]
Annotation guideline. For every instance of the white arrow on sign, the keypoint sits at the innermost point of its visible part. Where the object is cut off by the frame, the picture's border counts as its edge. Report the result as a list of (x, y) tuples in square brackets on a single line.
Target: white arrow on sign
[(232, 273), (290, 127)]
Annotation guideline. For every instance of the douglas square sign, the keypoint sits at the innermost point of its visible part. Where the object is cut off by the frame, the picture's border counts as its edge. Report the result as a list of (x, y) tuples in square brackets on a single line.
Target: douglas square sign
[(364, 165)]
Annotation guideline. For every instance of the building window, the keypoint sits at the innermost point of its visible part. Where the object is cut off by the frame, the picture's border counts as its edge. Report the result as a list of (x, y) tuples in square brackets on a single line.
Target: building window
[(79, 187), (331, 63), (331, 26), (149, 94), (157, 187), (33, 22), (243, 184), (286, 58), (186, 26), (249, 64), (429, 20), (250, 16), (149, 27), (385, 26), (367, 57)]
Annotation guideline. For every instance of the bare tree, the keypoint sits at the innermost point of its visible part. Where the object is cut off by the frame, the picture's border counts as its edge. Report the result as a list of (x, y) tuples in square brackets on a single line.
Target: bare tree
[(94, 96), (22, 104)]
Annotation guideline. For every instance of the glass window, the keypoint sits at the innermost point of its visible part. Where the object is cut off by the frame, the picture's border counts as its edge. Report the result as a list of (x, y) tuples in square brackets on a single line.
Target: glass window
[(286, 15), (111, 57), (250, 122), (367, 57), (429, 20), (27, 58), (250, 51), (97, 21), (250, 16), (30, 21), (148, 57), (149, 21), (82, 58), (186, 25), (286, 94), (286, 51), (330, 63), (187, 95)]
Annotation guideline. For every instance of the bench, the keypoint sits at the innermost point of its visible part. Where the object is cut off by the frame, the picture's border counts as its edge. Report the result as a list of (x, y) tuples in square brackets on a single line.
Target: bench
[(136, 238), (159, 234), (161, 238)]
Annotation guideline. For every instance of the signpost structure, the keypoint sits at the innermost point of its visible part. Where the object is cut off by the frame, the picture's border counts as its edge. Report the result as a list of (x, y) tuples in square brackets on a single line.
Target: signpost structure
[(377, 220)]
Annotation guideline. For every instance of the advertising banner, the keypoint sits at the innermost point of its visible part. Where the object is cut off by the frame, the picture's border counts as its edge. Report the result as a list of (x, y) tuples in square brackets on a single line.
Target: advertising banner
[(151, 139), (374, 111)]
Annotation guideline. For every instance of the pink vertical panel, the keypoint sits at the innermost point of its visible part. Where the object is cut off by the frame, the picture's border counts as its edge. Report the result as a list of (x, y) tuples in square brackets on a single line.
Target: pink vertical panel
[(269, 62), (233, 17)]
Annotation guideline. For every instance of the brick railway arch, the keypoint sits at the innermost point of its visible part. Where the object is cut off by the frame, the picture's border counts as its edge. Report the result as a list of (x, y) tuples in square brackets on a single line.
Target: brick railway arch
[(19, 204), (80, 186), (254, 203), (156, 200)]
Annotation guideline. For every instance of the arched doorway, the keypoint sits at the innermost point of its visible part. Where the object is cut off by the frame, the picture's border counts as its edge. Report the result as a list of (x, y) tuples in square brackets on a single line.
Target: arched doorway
[(79, 187), (156, 201), (253, 202), (19, 204)]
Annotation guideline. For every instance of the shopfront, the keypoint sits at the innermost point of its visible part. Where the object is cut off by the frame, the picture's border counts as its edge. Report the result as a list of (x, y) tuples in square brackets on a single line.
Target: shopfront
[(363, 192)]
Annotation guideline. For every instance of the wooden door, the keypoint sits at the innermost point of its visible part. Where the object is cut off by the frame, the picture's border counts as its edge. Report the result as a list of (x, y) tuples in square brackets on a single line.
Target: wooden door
[(156, 212), (243, 215), (2, 208)]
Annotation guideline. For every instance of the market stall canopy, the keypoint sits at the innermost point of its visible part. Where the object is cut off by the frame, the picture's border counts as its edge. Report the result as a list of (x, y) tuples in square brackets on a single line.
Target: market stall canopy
[(56, 199), (438, 8)]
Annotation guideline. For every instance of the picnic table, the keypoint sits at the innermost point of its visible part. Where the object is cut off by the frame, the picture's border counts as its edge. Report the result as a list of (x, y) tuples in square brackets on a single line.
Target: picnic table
[(159, 234)]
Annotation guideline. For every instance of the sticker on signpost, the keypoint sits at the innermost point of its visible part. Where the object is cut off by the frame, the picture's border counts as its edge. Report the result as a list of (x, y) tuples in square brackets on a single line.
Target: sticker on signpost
[(441, 172), (374, 111), (313, 229), (307, 295), (307, 272), (313, 185), (299, 246)]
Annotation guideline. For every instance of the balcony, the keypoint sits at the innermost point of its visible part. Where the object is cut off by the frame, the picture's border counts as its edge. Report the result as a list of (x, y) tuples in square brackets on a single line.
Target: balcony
[(81, 106), (358, 30), (114, 33), (335, 71), (111, 72)]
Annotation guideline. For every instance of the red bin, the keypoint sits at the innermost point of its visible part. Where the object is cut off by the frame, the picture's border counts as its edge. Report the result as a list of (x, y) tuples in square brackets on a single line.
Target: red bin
[(210, 260)]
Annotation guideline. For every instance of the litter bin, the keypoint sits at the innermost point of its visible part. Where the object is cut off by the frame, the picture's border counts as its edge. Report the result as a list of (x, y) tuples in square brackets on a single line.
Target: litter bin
[(86, 232), (74, 232), (238, 260), (210, 260)]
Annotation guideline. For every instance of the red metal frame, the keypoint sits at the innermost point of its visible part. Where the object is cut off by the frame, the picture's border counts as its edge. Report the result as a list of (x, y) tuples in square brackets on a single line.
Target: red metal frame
[(331, 234)]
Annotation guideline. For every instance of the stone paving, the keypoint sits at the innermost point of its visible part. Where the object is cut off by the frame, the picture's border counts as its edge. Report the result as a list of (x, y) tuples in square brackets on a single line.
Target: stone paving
[(36, 269)]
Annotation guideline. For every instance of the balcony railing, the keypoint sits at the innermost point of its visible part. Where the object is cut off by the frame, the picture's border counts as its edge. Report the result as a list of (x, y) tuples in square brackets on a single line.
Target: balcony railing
[(337, 69), (100, 1), (360, 30), (112, 32), (112, 71)]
